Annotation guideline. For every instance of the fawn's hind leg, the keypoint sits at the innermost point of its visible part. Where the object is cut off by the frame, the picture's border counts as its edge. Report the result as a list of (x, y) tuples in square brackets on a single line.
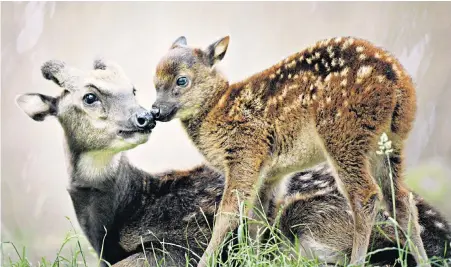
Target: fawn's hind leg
[(405, 207), (353, 176), (347, 141)]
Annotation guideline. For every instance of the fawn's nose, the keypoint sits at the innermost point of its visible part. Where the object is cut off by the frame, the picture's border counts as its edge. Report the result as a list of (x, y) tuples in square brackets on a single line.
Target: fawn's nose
[(144, 120), (155, 111)]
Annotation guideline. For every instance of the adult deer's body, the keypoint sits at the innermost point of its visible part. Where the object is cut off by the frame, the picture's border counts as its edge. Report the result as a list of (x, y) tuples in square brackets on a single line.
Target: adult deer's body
[(331, 101)]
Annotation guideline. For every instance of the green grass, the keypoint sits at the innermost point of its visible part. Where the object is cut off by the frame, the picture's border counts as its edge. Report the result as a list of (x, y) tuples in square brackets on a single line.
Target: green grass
[(276, 251)]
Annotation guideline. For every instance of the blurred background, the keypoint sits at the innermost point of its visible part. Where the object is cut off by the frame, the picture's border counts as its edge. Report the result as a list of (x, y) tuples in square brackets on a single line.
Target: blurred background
[(34, 200)]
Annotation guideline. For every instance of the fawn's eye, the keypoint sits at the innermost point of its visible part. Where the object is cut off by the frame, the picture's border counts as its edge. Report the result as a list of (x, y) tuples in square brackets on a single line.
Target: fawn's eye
[(182, 81), (90, 98)]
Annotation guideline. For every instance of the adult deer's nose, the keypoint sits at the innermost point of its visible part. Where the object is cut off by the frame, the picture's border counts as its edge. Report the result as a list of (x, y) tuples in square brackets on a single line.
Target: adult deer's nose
[(144, 120)]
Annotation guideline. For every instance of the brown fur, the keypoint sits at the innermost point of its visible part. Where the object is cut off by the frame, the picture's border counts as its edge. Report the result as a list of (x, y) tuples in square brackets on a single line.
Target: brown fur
[(331, 101)]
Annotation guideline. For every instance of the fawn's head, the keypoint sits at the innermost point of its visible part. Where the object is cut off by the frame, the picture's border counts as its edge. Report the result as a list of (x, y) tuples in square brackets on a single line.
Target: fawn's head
[(97, 109), (186, 78)]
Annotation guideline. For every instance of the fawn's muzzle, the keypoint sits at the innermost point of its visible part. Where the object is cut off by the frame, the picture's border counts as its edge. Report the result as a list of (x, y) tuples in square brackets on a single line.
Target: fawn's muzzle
[(164, 111)]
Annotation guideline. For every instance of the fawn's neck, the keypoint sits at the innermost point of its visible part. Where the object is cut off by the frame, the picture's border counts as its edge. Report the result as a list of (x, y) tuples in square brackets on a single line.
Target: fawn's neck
[(193, 123)]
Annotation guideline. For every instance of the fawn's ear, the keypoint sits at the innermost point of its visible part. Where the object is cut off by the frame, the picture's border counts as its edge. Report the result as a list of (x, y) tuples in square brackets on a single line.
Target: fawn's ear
[(37, 106), (216, 51), (181, 41)]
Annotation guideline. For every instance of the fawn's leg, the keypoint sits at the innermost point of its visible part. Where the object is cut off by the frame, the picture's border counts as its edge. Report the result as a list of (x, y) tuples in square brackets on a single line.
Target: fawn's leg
[(242, 171), (356, 183), (405, 207), (259, 213), (347, 142)]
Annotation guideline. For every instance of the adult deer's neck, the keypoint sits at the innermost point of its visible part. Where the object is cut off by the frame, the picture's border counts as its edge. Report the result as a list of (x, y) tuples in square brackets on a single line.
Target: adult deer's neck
[(93, 168)]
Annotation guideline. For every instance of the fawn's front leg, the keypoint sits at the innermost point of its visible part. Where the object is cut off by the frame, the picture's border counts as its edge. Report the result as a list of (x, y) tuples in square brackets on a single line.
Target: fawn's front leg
[(241, 184)]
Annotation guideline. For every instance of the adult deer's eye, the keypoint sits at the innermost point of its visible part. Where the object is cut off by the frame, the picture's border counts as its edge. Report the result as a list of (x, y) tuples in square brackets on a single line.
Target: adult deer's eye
[(90, 99), (182, 81)]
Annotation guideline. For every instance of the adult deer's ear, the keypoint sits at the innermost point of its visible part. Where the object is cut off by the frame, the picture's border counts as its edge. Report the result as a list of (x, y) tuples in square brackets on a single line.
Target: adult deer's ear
[(217, 50), (56, 71), (108, 65), (37, 106), (181, 41)]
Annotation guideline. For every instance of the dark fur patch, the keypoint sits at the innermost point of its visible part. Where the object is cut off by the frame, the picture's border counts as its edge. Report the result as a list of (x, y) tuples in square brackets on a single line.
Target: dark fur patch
[(396, 113)]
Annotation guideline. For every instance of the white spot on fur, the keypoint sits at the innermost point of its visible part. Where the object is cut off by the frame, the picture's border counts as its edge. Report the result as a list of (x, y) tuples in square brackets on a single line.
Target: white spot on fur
[(344, 72), (344, 82), (338, 39), (289, 76), (359, 49), (189, 217), (316, 67), (328, 100), (278, 71), (341, 62), (347, 43), (421, 228), (309, 61), (439, 225), (364, 71), (431, 212), (334, 62), (272, 76), (381, 78), (377, 55), (325, 42), (362, 56), (328, 77)]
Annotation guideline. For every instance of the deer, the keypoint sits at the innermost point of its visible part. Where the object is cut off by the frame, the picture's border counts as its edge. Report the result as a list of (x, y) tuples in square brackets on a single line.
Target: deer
[(330, 101), (128, 214)]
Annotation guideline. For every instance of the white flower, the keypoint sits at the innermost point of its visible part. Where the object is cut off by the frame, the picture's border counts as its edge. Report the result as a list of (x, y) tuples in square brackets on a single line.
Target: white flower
[(384, 145)]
